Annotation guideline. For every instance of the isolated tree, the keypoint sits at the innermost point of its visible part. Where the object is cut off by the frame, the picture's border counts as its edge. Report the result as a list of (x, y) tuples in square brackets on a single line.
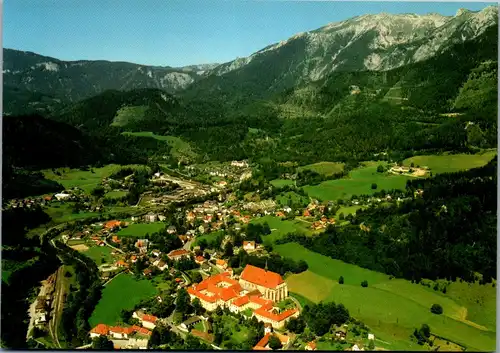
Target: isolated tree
[(228, 249), (341, 280), (436, 309), (98, 192), (364, 284), (274, 342), (374, 186), (380, 169)]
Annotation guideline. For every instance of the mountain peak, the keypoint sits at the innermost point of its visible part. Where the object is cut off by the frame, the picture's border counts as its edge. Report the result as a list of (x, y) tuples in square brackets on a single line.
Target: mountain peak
[(462, 11)]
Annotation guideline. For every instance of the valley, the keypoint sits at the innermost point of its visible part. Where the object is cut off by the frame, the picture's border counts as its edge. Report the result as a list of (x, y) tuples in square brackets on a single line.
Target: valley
[(333, 191)]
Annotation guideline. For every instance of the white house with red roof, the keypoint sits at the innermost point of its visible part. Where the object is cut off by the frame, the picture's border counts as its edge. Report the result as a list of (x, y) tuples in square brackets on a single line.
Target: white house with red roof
[(178, 254), (147, 321)]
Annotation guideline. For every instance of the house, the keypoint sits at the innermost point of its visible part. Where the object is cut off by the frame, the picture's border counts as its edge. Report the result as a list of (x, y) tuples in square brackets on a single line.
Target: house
[(171, 230), (356, 348), (147, 272), (111, 225), (151, 217), (306, 213), (249, 245), (287, 209), (161, 218), (371, 336), (156, 252), (200, 260), (176, 255), (190, 322), (311, 346), (99, 330), (142, 245), (237, 226), (263, 344), (268, 328), (148, 321), (190, 216), (280, 214), (341, 334), (162, 265), (242, 164), (62, 196), (115, 239), (121, 263), (133, 258), (135, 218), (222, 264)]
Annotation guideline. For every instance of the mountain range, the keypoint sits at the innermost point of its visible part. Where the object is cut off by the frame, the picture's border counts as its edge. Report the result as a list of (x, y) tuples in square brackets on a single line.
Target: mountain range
[(378, 42)]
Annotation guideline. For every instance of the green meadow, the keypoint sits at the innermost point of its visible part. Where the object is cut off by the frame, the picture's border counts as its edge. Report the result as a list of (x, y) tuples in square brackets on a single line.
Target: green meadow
[(324, 168), (123, 292), (280, 228), (99, 253), (358, 182), (293, 197), (279, 183), (394, 308), (115, 194), (141, 229), (448, 163), (208, 237), (86, 180), (180, 148), (127, 115)]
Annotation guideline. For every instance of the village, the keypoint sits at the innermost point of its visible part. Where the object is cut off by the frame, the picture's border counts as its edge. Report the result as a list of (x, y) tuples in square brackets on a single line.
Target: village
[(182, 245)]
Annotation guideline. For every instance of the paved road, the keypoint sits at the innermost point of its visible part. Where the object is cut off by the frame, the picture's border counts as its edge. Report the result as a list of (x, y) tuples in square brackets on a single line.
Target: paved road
[(58, 305), (111, 246), (296, 302)]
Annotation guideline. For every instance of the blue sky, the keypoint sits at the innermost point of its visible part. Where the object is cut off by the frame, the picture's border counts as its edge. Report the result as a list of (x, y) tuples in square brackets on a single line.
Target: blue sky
[(178, 32)]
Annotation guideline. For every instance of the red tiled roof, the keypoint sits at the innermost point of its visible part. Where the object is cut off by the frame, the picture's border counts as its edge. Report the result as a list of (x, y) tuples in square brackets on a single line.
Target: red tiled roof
[(149, 318), (220, 262), (200, 259), (210, 285), (252, 243), (312, 345), (261, 277), (100, 329), (262, 311), (112, 224), (116, 329), (179, 252), (241, 301)]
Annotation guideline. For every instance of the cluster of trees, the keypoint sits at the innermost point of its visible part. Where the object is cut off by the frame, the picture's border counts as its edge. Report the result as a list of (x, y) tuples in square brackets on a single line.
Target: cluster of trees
[(320, 317), (423, 334), (28, 261), (274, 263), (79, 304), (423, 237), (310, 177), (223, 333)]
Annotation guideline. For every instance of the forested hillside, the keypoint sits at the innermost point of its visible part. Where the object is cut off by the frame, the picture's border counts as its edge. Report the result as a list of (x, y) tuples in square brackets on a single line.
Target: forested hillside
[(450, 232)]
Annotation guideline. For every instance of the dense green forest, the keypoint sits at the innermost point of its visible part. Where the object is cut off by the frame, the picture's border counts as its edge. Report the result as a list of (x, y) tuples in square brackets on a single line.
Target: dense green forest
[(450, 232)]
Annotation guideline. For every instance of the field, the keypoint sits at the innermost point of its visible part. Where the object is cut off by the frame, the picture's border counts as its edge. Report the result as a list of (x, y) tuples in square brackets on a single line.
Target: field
[(97, 253), (358, 183), (115, 194), (293, 197), (129, 114), (238, 336), (395, 307), (180, 148), (279, 183), (451, 162), (347, 210), (208, 237), (280, 228), (324, 168), (140, 229), (123, 292), (86, 180)]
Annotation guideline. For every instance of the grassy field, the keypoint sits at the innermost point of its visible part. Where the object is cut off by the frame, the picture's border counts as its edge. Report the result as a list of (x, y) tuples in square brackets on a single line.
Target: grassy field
[(279, 183), (396, 307), (115, 194), (324, 168), (238, 335), (358, 182), (208, 237), (281, 227), (86, 180), (347, 210), (180, 148), (129, 114), (451, 162), (123, 292), (140, 229), (97, 253), (294, 197)]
